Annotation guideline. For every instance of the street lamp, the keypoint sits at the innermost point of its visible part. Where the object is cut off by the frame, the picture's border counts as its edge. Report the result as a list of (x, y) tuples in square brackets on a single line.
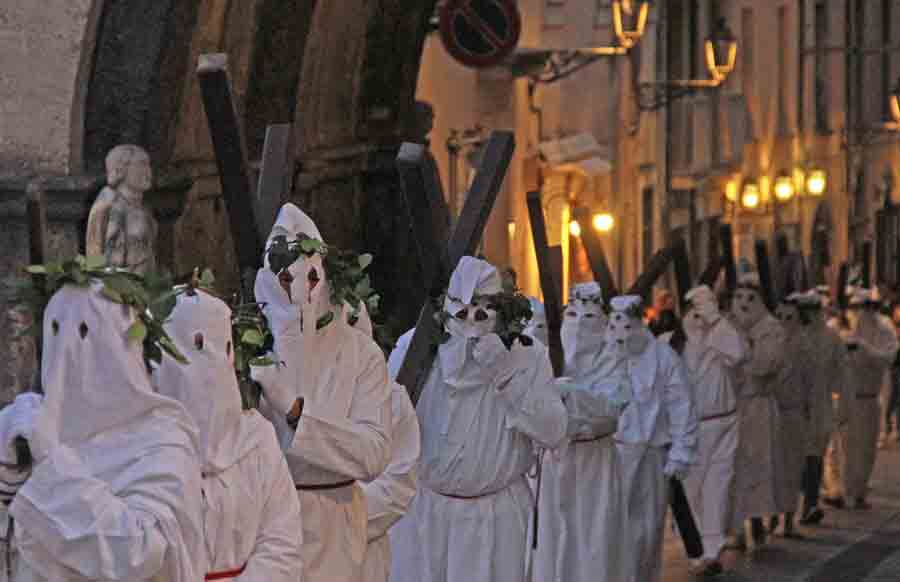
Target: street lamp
[(751, 198), (603, 222), (629, 21), (721, 54), (721, 51), (784, 187), (816, 182)]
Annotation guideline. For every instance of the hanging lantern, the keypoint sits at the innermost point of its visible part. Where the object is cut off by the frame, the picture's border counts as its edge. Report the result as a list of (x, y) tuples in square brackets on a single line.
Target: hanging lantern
[(629, 21), (784, 187), (721, 51), (751, 198), (603, 222), (816, 182)]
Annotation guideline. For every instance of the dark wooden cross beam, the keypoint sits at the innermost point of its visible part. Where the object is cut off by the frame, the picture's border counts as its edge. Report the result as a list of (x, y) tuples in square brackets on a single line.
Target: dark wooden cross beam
[(656, 268), (764, 269), (867, 264), (681, 263), (596, 257), (841, 292), (727, 241), (550, 284), (463, 241), (274, 177), (215, 87)]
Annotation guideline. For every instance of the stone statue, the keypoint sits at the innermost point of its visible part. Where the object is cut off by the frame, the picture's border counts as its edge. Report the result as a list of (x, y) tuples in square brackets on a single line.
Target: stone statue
[(120, 227)]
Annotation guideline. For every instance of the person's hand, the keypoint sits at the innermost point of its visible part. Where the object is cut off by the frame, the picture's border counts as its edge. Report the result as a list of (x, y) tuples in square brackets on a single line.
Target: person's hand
[(676, 469), (277, 383)]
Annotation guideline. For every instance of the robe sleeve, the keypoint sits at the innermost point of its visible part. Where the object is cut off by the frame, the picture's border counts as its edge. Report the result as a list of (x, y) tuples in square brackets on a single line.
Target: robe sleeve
[(533, 405), (76, 521), (727, 343), (388, 497), (357, 446), (679, 403), (276, 554), (395, 361), (590, 415)]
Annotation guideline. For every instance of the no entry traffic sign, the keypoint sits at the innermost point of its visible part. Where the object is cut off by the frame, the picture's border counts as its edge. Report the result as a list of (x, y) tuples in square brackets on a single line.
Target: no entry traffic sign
[(480, 33)]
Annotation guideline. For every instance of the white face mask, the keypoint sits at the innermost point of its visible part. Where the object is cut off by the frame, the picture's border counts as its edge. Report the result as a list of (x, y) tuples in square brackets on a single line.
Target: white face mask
[(789, 316), (627, 334), (747, 307), (694, 323), (473, 320)]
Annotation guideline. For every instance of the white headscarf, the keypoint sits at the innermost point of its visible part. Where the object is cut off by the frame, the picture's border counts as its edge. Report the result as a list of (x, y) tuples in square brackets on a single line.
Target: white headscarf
[(537, 326), (471, 323), (584, 326), (200, 326)]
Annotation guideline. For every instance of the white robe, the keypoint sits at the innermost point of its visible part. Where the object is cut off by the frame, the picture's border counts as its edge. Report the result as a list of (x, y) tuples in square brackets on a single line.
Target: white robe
[(827, 381), (343, 435), (388, 497), (581, 505), (867, 370), (759, 466), (794, 394), (661, 417), (711, 360), (471, 512), (250, 513)]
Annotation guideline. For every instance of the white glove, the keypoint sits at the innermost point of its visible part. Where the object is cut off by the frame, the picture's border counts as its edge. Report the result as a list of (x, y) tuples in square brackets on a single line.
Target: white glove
[(676, 469), (278, 384)]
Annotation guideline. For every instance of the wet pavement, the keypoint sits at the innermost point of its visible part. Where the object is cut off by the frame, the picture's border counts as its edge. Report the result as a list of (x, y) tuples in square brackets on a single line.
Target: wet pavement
[(848, 546)]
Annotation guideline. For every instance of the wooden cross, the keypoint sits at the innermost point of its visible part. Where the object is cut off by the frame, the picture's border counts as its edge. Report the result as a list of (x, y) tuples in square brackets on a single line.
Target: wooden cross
[(763, 267), (221, 115), (438, 262), (593, 247), (550, 284), (275, 175)]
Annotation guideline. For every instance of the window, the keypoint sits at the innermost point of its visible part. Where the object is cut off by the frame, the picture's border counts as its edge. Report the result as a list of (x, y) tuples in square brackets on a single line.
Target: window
[(647, 225), (820, 86)]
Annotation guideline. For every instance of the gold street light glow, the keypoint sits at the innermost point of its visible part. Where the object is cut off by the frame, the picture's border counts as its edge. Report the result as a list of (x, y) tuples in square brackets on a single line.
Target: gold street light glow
[(731, 191), (750, 198), (816, 182), (784, 187), (603, 222), (895, 101), (574, 228)]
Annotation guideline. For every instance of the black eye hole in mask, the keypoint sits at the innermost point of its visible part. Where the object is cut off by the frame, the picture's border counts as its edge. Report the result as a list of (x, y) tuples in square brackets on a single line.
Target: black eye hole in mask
[(571, 314), (462, 314), (198, 341), (627, 326), (55, 326), (313, 278), (83, 330), (540, 326), (481, 315), (590, 315), (228, 349)]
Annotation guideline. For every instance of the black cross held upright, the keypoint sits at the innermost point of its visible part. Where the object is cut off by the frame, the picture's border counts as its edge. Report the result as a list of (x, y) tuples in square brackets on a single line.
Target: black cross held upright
[(549, 277), (596, 256), (215, 87), (438, 261)]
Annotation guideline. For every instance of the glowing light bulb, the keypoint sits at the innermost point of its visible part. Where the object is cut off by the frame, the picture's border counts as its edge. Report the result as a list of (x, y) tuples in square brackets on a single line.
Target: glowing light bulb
[(603, 222), (574, 228)]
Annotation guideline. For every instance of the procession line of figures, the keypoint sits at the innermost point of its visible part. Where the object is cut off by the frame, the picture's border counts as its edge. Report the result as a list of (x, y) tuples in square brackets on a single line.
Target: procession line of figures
[(159, 474)]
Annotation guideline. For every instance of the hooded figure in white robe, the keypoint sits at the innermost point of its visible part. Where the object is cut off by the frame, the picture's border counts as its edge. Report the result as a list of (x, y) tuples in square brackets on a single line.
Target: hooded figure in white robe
[(583, 331), (115, 493), (657, 432), (712, 352), (827, 382), (388, 497), (759, 474), (794, 393), (581, 506), (330, 401), (872, 347), (251, 513), (484, 408), (537, 325)]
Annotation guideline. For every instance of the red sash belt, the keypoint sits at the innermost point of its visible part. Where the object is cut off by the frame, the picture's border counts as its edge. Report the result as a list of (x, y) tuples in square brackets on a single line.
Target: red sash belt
[(226, 574)]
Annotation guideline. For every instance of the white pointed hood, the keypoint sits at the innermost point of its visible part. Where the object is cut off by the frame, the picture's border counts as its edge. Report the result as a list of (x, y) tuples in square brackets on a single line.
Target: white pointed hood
[(537, 326), (200, 326), (583, 330)]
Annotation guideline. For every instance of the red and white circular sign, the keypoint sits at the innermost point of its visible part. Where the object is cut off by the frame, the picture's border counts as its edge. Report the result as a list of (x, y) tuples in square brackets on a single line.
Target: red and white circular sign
[(480, 33)]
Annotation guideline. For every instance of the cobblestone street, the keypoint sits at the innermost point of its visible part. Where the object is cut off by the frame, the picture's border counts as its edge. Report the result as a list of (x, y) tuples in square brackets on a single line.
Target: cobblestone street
[(849, 546)]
